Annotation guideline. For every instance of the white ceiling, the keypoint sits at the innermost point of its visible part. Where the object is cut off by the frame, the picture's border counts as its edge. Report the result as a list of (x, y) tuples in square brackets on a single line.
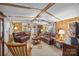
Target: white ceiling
[(33, 5), (65, 10), (60, 10)]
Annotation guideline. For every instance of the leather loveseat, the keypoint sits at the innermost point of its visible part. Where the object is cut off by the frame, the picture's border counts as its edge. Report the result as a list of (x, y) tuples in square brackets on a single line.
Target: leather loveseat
[(21, 37), (48, 38)]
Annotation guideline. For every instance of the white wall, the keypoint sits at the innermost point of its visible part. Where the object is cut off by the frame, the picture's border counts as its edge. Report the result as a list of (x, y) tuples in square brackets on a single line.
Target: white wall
[(65, 10), (6, 29), (6, 34)]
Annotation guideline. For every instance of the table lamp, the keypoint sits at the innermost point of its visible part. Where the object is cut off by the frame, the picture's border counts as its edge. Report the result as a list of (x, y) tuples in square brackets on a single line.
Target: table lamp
[(15, 29), (61, 33)]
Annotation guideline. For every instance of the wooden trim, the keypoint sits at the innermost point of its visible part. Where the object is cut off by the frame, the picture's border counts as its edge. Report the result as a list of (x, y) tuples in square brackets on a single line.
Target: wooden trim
[(15, 44), (54, 16), (69, 19), (3, 38), (19, 6), (21, 16), (2, 14)]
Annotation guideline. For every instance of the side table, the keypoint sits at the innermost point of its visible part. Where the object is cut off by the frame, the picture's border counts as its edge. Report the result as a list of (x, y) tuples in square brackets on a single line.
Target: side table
[(59, 44)]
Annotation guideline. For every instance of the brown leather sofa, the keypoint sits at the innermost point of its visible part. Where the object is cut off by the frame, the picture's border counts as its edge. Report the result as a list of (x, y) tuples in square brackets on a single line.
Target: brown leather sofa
[(47, 38), (21, 37)]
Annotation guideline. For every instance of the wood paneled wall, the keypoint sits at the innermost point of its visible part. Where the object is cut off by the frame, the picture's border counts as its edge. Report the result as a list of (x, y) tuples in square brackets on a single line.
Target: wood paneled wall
[(65, 23)]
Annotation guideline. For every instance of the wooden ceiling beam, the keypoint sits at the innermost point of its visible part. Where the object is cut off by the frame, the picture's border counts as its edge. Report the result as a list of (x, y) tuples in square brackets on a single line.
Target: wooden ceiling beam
[(21, 16), (19, 6), (44, 10), (2, 15), (54, 16)]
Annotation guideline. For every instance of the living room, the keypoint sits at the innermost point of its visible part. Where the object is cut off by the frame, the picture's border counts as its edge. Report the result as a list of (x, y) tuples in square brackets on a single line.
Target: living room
[(49, 27)]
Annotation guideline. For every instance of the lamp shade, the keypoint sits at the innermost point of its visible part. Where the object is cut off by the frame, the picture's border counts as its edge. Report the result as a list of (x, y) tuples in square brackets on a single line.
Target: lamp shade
[(15, 28), (61, 32)]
